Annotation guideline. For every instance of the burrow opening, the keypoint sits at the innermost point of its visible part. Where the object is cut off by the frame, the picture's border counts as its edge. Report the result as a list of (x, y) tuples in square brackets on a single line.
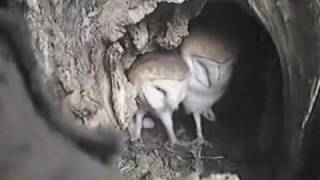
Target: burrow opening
[(247, 132)]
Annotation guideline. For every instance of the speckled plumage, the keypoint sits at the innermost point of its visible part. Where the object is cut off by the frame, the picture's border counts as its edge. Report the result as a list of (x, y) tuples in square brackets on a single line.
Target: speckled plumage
[(209, 43), (158, 65), (161, 79)]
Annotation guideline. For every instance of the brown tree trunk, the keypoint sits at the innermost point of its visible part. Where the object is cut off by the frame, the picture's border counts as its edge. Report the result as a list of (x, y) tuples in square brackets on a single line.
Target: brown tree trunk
[(84, 48), (294, 27)]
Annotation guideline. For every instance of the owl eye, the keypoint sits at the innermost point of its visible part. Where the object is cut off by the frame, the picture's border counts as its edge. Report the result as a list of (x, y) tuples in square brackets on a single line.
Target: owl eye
[(202, 74), (161, 90)]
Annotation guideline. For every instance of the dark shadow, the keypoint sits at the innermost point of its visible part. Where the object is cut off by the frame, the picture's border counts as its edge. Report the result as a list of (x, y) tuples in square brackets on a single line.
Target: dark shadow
[(249, 116)]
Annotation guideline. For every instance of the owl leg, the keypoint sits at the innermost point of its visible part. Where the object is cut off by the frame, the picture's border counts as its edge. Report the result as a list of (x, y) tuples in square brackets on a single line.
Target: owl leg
[(200, 139), (134, 128)]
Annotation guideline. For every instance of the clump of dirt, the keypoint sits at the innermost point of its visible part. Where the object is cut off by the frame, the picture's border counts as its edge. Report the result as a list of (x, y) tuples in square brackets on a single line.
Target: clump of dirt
[(153, 159), (140, 163)]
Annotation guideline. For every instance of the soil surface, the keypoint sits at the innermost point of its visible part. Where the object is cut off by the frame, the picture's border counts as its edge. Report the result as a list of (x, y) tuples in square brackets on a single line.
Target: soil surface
[(153, 158)]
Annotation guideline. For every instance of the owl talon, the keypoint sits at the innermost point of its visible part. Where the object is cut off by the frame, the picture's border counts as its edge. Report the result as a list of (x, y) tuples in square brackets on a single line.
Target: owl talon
[(202, 142)]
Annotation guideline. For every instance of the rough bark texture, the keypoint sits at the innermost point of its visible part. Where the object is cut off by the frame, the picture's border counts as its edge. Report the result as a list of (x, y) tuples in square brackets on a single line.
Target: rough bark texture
[(85, 47), (294, 27)]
